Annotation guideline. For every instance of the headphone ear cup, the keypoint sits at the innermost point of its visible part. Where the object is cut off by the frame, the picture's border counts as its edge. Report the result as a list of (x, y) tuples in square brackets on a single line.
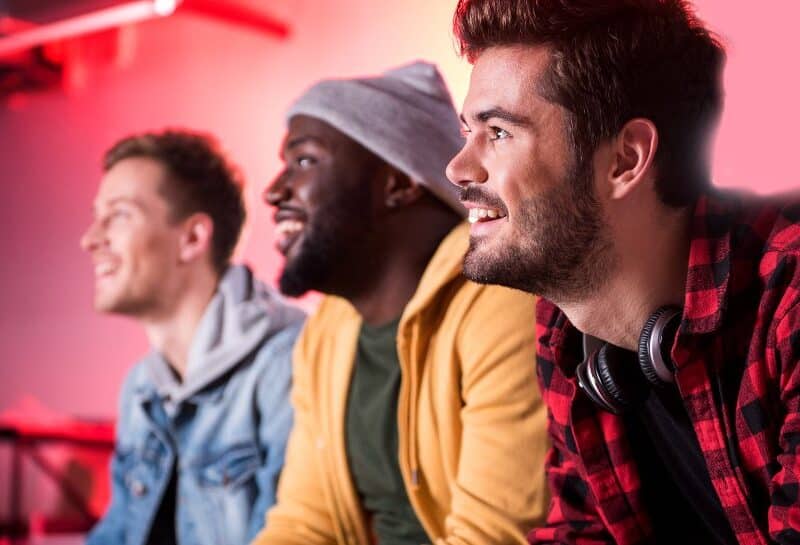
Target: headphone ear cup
[(590, 383), (655, 344), (616, 369), (609, 377), (645, 361)]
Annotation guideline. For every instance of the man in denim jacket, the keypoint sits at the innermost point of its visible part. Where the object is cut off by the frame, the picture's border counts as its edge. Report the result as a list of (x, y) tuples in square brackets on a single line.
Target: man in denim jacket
[(204, 418)]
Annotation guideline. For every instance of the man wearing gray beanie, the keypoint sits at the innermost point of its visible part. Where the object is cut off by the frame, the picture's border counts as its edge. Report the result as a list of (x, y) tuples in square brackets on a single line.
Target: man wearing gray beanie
[(417, 417)]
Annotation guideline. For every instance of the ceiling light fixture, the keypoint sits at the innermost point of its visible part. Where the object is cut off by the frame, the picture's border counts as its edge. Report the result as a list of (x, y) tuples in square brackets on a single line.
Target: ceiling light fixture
[(122, 14)]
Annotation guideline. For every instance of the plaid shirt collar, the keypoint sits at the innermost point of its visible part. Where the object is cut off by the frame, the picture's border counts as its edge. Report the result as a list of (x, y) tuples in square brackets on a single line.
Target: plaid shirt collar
[(709, 264)]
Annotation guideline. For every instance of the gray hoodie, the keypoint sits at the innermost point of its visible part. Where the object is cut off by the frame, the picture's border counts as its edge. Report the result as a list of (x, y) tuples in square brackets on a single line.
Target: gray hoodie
[(242, 313), (216, 441)]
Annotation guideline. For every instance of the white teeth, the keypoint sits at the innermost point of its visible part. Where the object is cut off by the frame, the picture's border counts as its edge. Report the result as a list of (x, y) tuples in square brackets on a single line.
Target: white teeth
[(477, 214), (288, 226), (103, 268)]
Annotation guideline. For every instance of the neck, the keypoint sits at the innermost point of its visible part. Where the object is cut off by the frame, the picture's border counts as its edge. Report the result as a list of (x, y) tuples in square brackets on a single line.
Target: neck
[(398, 262), (171, 332), (650, 272)]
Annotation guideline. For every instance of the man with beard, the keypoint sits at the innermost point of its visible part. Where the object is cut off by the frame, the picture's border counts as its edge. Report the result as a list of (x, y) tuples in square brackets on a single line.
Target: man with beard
[(669, 325), (414, 388), (204, 418)]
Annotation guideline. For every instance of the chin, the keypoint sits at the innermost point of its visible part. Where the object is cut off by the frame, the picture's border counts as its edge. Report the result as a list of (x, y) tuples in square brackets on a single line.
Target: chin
[(104, 307), (117, 302), (306, 269), (479, 267), (105, 303), (292, 283), (480, 260)]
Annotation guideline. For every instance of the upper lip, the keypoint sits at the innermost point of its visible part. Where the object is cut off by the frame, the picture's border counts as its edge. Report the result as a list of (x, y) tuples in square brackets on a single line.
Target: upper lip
[(289, 213), (474, 196), (101, 257)]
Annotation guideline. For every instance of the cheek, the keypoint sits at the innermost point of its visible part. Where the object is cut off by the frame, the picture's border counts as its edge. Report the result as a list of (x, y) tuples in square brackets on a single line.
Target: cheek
[(307, 188), (531, 173), (162, 250), (150, 252), (514, 177)]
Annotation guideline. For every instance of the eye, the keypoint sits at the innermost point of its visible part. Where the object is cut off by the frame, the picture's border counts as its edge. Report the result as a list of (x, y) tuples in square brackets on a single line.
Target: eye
[(305, 161), (464, 131), (115, 216), (496, 133)]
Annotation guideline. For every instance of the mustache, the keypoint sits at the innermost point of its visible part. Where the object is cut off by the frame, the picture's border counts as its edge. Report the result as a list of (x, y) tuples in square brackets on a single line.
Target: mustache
[(478, 195)]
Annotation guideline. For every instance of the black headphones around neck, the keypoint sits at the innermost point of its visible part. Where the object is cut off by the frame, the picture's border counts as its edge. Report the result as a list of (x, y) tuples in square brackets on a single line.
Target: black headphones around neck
[(606, 376)]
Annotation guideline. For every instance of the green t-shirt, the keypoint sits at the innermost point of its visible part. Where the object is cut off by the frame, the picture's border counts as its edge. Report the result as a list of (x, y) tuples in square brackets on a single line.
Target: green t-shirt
[(371, 428)]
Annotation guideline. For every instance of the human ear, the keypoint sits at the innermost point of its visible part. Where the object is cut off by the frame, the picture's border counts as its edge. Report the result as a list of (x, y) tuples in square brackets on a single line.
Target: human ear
[(633, 152), (400, 190), (195, 239)]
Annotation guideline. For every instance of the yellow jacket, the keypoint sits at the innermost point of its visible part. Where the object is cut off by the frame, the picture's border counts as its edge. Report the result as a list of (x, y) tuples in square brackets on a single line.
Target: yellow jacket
[(471, 422)]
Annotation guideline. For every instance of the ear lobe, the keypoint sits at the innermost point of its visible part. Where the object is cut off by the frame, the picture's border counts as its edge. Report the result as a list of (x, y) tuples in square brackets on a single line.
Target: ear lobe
[(634, 151), (196, 237), (400, 190)]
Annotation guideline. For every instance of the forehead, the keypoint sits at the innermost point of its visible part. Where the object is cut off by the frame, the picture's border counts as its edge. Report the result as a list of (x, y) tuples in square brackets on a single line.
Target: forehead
[(507, 77), (303, 128), (134, 178)]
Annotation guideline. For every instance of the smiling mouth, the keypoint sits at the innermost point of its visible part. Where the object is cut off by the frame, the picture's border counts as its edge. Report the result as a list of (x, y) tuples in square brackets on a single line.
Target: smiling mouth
[(480, 215), (289, 226), (104, 269)]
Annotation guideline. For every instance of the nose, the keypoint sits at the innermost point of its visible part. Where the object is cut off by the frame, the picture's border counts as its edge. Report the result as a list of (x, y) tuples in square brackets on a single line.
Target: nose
[(93, 237), (465, 168), (278, 191)]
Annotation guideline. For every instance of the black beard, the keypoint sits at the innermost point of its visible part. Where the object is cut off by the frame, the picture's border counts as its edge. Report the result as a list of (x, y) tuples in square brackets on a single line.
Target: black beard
[(332, 240), (314, 263), (561, 251)]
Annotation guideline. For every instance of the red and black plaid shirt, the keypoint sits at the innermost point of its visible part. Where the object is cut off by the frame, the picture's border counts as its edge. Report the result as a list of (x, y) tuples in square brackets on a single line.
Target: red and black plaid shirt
[(736, 355)]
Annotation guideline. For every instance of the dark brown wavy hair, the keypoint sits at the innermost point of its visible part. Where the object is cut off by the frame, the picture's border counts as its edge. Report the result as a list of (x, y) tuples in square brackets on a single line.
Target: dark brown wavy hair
[(612, 61)]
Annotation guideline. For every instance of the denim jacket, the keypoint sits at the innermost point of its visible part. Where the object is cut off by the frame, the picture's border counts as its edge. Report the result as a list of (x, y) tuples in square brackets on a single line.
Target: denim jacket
[(223, 430)]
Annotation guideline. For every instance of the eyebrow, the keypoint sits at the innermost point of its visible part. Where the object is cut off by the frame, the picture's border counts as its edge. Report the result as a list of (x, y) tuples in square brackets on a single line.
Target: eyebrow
[(117, 200), (300, 140), (499, 113)]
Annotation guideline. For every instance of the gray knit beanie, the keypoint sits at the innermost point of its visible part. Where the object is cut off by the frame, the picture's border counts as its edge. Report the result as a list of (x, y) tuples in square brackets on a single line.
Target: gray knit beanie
[(405, 116)]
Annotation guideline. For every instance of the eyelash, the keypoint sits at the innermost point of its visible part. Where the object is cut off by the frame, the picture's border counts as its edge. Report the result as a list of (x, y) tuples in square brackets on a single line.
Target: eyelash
[(498, 134)]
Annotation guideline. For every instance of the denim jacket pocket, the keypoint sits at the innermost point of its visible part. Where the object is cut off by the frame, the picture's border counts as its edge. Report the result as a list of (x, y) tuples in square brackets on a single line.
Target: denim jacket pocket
[(234, 467), (141, 467)]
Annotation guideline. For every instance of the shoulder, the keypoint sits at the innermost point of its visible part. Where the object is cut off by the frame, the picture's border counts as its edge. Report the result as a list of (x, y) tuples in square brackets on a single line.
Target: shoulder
[(782, 247), (136, 380), (757, 224), (748, 245), (784, 236), (274, 353), (779, 220), (136, 385)]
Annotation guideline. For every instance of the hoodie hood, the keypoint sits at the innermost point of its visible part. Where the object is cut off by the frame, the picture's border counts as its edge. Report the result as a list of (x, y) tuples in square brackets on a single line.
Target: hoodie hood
[(241, 315)]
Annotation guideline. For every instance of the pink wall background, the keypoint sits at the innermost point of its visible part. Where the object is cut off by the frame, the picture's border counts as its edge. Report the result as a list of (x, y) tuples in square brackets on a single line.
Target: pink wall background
[(194, 72)]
